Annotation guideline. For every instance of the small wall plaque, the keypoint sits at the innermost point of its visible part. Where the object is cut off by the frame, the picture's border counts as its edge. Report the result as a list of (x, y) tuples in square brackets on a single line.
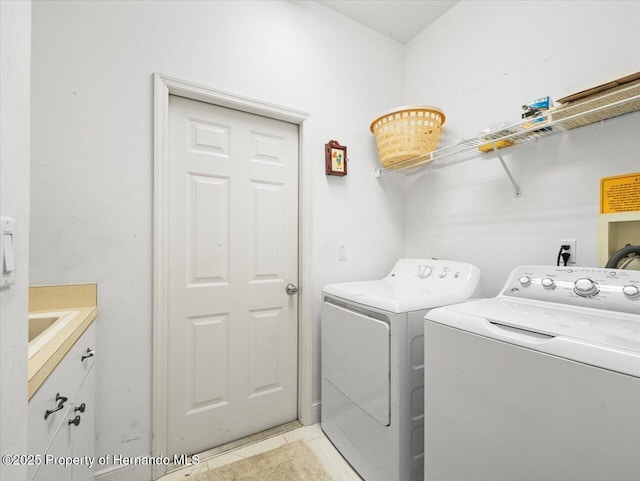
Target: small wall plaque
[(335, 156)]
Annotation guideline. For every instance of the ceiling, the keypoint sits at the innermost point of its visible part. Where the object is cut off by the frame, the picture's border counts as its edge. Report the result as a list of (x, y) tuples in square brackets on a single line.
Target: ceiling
[(398, 19)]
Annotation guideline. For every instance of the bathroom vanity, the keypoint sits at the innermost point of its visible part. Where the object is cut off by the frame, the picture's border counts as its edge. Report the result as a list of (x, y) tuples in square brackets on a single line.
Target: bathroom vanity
[(62, 335)]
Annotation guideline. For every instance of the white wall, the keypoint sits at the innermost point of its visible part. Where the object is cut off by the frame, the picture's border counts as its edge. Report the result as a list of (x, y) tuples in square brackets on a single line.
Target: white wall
[(92, 154), (479, 63), (15, 70), (92, 145)]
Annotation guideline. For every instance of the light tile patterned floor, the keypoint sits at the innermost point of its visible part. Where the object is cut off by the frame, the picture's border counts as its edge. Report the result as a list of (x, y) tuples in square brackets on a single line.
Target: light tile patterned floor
[(333, 463)]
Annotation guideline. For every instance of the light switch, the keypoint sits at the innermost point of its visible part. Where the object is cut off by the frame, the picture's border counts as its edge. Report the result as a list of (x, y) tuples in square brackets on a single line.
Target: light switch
[(342, 256), (7, 232), (9, 259)]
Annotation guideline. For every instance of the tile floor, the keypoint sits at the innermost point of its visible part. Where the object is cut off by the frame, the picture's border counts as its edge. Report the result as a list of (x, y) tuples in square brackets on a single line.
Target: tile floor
[(333, 463)]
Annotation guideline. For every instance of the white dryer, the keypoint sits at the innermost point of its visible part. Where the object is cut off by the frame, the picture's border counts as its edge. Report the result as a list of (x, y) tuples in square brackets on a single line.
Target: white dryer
[(372, 363), (540, 383)]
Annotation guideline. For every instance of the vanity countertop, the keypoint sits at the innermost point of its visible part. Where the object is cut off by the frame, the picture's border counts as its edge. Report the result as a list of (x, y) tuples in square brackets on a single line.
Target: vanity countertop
[(80, 298)]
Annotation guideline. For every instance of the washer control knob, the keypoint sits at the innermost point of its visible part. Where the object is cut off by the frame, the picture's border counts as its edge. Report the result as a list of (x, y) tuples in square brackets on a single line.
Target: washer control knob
[(585, 287), (548, 283), (525, 281), (631, 291), (424, 271)]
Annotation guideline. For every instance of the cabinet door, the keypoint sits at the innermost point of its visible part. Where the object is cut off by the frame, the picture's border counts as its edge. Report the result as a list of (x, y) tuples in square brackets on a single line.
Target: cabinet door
[(83, 435), (64, 381), (42, 432), (59, 449)]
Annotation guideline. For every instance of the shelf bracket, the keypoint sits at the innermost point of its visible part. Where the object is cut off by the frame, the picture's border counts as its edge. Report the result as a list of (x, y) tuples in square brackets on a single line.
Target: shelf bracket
[(508, 172), (513, 181)]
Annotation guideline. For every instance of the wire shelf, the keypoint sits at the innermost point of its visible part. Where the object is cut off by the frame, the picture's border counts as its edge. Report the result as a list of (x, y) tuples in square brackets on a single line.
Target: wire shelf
[(605, 106)]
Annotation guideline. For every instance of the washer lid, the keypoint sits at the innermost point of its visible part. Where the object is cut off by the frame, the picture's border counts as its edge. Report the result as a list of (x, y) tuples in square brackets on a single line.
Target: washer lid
[(413, 285), (606, 339)]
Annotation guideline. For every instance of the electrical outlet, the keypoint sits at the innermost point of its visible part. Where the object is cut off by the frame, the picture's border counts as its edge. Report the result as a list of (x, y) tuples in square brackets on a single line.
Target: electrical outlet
[(572, 250)]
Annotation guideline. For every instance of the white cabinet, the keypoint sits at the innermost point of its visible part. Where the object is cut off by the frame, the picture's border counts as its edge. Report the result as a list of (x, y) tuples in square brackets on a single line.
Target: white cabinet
[(60, 448), (62, 417), (83, 435)]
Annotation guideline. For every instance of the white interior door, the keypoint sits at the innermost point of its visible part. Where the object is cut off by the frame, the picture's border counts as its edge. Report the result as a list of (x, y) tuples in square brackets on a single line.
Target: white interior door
[(233, 236)]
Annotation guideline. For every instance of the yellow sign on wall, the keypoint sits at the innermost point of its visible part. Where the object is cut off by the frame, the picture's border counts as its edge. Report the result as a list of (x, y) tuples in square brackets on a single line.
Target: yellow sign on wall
[(620, 193)]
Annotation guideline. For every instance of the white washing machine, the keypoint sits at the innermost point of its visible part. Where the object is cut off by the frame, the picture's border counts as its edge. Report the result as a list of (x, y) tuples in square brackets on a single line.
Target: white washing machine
[(372, 363), (541, 383)]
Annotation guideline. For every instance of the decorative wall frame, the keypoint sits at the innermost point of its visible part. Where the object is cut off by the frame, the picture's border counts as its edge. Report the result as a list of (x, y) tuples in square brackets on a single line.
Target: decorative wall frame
[(335, 158)]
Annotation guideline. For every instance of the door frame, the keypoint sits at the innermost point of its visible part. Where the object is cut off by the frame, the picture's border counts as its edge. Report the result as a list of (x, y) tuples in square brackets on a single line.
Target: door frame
[(163, 87)]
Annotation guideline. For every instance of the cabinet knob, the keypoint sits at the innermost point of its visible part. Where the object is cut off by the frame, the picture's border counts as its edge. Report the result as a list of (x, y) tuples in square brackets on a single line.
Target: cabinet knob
[(75, 420), (90, 353), (80, 408), (60, 400), (51, 411)]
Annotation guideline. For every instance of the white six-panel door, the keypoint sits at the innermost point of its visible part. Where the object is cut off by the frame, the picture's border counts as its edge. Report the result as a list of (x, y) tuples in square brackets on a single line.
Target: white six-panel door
[(233, 235)]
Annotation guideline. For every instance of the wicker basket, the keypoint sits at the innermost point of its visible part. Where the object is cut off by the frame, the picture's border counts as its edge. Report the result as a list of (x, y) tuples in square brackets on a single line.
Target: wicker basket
[(406, 133), (582, 103)]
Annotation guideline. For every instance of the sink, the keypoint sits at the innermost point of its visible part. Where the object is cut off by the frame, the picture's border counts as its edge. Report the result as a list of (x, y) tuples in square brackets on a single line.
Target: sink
[(44, 326)]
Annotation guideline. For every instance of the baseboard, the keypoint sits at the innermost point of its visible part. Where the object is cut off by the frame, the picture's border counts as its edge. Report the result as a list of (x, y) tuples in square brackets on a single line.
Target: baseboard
[(124, 473), (315, 412)]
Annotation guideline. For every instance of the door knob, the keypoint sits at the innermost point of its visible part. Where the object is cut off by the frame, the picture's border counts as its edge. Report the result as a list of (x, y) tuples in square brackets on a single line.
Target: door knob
[(291, 289)]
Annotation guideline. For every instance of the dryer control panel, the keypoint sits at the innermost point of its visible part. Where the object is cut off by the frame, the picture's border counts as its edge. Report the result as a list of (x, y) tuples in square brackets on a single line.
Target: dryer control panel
[(610, 289), (414, 285), (411, 271)]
